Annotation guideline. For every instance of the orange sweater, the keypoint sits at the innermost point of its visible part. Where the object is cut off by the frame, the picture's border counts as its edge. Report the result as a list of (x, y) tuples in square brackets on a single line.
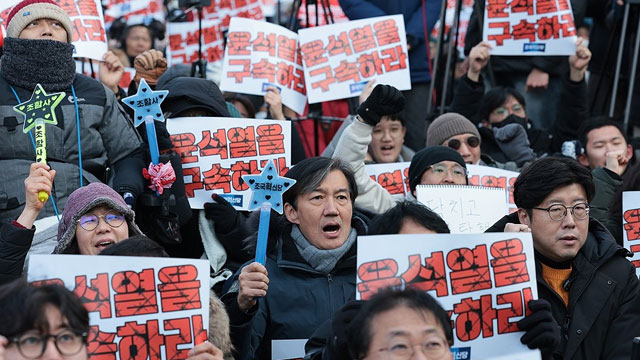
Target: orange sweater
[(556, 279)]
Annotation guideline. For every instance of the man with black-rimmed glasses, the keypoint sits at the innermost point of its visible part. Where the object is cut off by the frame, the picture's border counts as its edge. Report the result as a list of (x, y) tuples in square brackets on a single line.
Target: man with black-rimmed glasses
[(589, 303)]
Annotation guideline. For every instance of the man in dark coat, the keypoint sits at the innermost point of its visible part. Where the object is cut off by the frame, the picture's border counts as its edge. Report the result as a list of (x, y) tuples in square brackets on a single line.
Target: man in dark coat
[(589, 301), (310, 270)]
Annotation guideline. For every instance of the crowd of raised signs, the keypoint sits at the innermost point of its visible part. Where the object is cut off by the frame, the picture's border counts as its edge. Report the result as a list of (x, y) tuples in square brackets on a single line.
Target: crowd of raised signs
[(333, 179)]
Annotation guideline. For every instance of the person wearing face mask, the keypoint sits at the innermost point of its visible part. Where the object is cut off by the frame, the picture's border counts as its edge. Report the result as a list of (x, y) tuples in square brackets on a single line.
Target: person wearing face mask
[(501, 112)]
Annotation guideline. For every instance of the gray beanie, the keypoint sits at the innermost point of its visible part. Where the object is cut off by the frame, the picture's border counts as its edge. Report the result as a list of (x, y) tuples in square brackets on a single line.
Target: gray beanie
[(448, 125), (79, 203)]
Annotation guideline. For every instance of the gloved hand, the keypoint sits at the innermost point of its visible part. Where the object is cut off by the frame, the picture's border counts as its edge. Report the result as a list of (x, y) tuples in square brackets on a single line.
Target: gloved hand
[(149, 65), (223, 214), (541, 329), (513, 141), (384, 100)]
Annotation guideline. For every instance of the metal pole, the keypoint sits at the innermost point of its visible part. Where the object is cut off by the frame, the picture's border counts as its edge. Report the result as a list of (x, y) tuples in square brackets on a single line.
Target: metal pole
[(616, 78), (632, 79), (445, 79), (434, 76)]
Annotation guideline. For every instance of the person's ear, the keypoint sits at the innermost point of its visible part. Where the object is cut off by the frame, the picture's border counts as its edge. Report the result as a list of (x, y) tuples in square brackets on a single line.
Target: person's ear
[(629, 152), (291, 214), (582, 159), (523, 216)]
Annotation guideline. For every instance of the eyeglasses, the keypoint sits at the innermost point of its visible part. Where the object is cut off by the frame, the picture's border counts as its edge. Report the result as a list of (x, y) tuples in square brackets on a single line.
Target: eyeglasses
[(441, 170), (557, 212), (502, 111), (90, 222), (472, 141), (33, 346), (433, 348)]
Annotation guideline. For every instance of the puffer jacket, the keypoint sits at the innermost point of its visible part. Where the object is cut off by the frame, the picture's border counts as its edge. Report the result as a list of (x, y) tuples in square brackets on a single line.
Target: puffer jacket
[(604, 299), (108, 140), (299, 298)]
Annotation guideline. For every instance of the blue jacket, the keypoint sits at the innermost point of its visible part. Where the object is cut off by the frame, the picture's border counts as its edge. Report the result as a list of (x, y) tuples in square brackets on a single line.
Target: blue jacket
[(413, 23)]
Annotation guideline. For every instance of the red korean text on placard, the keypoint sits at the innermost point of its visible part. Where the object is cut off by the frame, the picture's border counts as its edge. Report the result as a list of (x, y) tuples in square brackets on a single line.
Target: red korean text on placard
[(469, 269), (135, 293), (632, 229), (477, 316)]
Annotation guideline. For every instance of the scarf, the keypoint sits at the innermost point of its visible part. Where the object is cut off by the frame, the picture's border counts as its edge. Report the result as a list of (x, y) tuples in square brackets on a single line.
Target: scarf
[(28, 62), (322, 261)]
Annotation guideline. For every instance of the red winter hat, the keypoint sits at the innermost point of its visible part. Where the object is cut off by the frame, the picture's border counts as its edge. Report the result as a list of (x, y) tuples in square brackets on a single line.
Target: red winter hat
[(27, 11)]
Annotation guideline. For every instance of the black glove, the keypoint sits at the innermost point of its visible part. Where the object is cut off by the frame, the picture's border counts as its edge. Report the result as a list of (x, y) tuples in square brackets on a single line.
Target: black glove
[(223, 214), (541, 329), (384, 100)]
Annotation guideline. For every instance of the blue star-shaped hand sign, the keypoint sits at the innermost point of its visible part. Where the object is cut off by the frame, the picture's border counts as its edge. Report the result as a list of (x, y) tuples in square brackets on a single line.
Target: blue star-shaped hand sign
[(268, 187), (41, 106), (146, 103)]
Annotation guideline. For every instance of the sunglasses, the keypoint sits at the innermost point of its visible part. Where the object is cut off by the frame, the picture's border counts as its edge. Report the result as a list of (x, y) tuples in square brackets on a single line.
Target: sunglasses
[(472, 141)]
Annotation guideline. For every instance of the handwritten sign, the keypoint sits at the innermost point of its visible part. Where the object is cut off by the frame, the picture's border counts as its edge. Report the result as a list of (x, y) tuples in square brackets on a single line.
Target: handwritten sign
[(133, 299), (217, 152), (339, 59), (631, 225), (183, 42), (288, 349), (484, 281), (259, 55), (134, 11), (466, 209), (89, 37), (533, 27)]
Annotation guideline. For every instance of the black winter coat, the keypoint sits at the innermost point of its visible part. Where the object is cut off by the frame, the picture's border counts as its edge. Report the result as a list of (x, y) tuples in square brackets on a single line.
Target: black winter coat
[(14, 246), (299, 298), (603, 315)]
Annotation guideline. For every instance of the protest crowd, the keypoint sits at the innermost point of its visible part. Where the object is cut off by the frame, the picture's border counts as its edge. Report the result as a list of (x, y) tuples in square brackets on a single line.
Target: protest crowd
[(334, 179)]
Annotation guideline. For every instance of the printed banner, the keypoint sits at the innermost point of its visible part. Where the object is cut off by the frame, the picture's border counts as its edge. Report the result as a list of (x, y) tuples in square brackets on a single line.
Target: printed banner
[(394, 177), (287, 349), (259, 55), (466, 209), (93, 70), (183, 42), (134, 11), (529, 27), (340, 59), (631, 225), (89, 37), (484, 281), (225, 10), (133, 299), (216, 152)]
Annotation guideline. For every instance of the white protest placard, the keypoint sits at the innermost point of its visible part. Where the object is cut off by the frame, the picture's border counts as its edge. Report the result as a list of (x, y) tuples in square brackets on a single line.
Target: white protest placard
[(466, 209), (493, 177), (631, 225), (225, 10), (259, 55), (216, 152), (534, 27), (483, 280), (134, 11), (92, 69), (130, 299), (394, 177), (89, 36), (340, 59), (183, 45), (288, 349)]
